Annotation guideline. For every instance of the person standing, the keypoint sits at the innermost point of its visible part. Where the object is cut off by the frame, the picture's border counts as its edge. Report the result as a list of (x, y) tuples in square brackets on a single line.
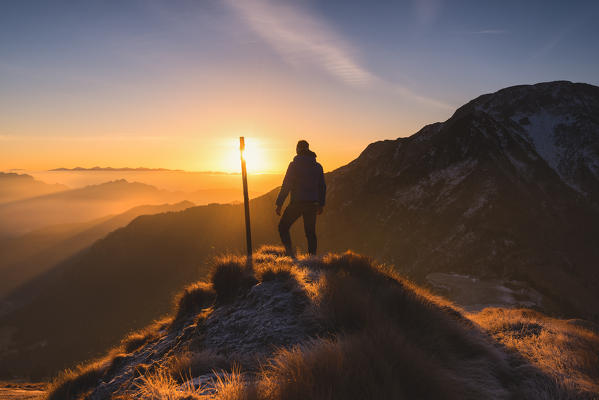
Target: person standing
[(304, 180)]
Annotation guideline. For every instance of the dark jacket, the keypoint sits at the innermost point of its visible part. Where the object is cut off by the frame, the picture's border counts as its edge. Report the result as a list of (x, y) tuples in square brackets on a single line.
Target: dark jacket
[(304, 179)]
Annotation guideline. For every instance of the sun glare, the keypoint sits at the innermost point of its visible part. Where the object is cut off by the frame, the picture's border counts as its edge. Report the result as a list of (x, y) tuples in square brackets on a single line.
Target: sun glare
[(255, 157)]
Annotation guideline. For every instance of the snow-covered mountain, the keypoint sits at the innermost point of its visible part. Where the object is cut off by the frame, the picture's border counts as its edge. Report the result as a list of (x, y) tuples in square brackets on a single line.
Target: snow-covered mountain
[(559, 120), (505, 188)]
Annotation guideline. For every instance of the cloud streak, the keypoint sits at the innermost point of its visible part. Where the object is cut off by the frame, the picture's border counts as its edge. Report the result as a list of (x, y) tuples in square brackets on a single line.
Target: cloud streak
[(304, 39), (301, 38), (490, 32)]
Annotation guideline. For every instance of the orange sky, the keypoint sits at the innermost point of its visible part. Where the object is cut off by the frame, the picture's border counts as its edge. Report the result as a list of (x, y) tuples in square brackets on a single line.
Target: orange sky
[(165, 84), (183, 130), (172, 87)]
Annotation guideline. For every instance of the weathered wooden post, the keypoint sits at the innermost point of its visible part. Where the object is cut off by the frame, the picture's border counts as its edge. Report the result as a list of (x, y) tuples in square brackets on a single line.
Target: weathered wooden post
[(246, 200)]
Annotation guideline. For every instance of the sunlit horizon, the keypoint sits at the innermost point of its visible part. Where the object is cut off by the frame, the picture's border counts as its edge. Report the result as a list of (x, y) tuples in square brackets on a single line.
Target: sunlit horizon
[(165, 85), (263, 157)]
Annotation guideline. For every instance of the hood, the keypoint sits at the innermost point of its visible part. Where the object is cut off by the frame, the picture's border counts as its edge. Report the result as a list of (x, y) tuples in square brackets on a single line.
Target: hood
[(305, 154)]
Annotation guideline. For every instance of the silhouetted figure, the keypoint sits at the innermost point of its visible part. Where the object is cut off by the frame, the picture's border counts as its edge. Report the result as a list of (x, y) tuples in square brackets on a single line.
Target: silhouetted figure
[(305, 181)]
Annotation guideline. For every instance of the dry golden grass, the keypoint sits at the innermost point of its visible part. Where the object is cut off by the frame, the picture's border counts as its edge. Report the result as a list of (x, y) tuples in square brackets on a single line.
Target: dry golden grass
[(196, 363), (230, 277), (75, 384), (233, 386), (193, 298), (376, 364), (273, 251), (137, 339), (384, 338), (160, 385), (561, 349), (389, 342)]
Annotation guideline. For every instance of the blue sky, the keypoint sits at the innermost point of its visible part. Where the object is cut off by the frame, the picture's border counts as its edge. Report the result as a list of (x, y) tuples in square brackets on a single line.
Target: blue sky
[(143, 81)]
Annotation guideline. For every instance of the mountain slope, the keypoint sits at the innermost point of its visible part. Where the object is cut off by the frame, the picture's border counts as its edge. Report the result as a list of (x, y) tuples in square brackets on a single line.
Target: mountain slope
[(471, 196), (474, 196), (560, 121), (337, 327), (117, 284), (79, 205), (26, 256)]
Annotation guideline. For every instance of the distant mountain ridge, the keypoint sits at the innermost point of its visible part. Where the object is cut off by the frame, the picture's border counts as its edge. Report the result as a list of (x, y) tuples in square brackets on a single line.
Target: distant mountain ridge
[(95, 201), (14, 186), (79, 205), (139, 169), (472, 195)]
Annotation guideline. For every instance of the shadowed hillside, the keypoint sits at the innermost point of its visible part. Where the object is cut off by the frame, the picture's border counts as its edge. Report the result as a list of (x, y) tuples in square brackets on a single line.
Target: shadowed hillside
[(120, 283), (504, 189), (336, 327), (29, 255)]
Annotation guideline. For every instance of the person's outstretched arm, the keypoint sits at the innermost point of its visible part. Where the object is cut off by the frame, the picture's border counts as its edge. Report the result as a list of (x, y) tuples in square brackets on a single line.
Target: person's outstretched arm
[(285, 188)]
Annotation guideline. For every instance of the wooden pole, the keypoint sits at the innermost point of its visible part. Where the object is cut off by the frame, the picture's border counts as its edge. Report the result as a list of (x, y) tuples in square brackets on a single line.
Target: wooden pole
[(246, 200)]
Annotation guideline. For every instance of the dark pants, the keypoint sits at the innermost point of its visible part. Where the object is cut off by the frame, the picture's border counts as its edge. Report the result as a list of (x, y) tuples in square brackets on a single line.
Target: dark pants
[(290, 215)]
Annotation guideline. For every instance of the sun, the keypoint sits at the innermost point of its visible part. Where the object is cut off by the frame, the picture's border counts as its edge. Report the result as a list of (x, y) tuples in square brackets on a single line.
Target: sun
[(254, 154)]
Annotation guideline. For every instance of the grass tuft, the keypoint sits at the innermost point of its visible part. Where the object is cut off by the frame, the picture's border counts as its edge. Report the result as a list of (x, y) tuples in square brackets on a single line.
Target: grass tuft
[(160, 385), (233, 386), (189, 363), (193, 299), (74, 384), (276, 251), (374, 364), (231, 277), (136, 340)]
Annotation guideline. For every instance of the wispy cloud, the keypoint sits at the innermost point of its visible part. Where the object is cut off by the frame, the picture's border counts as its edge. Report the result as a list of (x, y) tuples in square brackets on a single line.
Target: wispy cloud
[(574, 23), (549, 45), (303, 38), (490, 32)]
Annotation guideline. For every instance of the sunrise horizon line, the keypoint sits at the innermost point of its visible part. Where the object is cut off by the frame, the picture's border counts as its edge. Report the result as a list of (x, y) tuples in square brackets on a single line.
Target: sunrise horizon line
[(96, 168)]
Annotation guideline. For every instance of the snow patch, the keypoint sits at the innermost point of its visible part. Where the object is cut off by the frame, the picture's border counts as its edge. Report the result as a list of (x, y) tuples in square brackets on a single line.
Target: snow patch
[(540, 132), (478, 204), (450, 176)]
